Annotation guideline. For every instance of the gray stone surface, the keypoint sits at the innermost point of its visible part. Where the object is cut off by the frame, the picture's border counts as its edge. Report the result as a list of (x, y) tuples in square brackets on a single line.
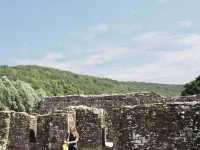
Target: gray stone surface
[(14, 130), (4, 129), (99, 101), (157, 127), (137, 121)]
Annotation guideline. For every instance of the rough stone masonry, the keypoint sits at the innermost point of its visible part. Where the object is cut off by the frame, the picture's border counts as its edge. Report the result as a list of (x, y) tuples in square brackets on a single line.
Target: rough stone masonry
[(136, 121)]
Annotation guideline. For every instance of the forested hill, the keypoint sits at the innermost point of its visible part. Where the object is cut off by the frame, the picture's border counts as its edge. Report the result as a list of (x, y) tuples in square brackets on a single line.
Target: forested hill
[(58, 82)]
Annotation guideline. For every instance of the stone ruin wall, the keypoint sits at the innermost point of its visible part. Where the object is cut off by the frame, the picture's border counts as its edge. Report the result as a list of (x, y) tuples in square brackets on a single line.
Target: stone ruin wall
[(14, 130), (157, 127), (140, 121), (21, 131), (99, 101)]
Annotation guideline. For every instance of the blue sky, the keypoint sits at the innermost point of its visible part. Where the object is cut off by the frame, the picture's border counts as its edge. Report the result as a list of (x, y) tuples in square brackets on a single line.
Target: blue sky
[(131, 40)]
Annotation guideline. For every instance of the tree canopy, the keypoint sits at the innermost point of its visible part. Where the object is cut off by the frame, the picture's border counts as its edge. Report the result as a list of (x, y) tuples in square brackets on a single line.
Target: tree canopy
[(18, 95), (192, 88), (58, 82)]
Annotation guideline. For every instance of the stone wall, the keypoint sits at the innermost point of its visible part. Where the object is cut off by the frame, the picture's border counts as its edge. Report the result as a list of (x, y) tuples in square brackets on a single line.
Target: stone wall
[(89, 124), (108, 101), (50, 130), (20, 131), (14, 130), (4, 129), (99, 101), (88, 121), (157, 127), (138, 121)]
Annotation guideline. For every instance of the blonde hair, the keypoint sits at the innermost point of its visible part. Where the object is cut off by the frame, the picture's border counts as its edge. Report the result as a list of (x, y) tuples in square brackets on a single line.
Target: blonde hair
[(74, 132)]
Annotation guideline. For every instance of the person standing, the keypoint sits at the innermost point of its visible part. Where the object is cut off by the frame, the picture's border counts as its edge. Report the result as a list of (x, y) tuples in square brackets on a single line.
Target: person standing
[(71, 139)]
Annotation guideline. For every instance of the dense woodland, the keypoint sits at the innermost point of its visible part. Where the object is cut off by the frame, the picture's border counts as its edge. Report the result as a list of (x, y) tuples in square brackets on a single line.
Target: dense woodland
[(23, 86)]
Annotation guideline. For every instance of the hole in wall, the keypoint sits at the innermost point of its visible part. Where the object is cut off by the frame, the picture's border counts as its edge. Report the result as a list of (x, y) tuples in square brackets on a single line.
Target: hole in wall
[(106, 142), (32, 137)]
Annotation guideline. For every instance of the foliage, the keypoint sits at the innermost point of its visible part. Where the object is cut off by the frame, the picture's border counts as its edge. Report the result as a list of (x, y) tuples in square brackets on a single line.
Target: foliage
[(192, 88), (56, 82), (17, 95), (2, 107)]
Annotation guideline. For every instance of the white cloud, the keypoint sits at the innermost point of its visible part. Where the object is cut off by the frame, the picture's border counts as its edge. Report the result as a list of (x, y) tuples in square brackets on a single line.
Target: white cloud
[(93, 31), (110, 29), (155, 40), (105, 55), (53, 57), (155, 57), (102, 27), (184, 23), (179, 65), (80, 63)]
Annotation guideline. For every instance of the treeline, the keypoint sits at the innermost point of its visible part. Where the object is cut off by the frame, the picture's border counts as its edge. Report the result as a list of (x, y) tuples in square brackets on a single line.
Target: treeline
[(57, 82), (18, 95)]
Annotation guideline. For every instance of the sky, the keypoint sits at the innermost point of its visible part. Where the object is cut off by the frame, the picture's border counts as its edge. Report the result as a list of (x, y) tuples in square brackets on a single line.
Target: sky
[(130, 40)]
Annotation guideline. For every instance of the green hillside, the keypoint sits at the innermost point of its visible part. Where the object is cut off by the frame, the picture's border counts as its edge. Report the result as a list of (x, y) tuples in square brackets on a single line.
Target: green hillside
[(58, 82)]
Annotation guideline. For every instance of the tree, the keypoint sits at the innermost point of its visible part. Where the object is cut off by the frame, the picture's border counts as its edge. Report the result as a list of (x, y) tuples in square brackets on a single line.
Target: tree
[(8, 93), (192, 87), (18, 95), (27, 95), (2, 107)]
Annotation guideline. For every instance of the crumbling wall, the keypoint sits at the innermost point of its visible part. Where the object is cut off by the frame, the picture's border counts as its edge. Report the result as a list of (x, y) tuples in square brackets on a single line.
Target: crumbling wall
[(99, 101), (139, 121), (50, 130), (14, 130), (89, 124), (19, 131), (157, 127), (4, 129), (27, 132)]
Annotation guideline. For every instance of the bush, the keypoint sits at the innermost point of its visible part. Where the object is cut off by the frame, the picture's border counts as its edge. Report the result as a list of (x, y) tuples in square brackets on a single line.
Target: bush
[(192, 87), (18, 95)]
